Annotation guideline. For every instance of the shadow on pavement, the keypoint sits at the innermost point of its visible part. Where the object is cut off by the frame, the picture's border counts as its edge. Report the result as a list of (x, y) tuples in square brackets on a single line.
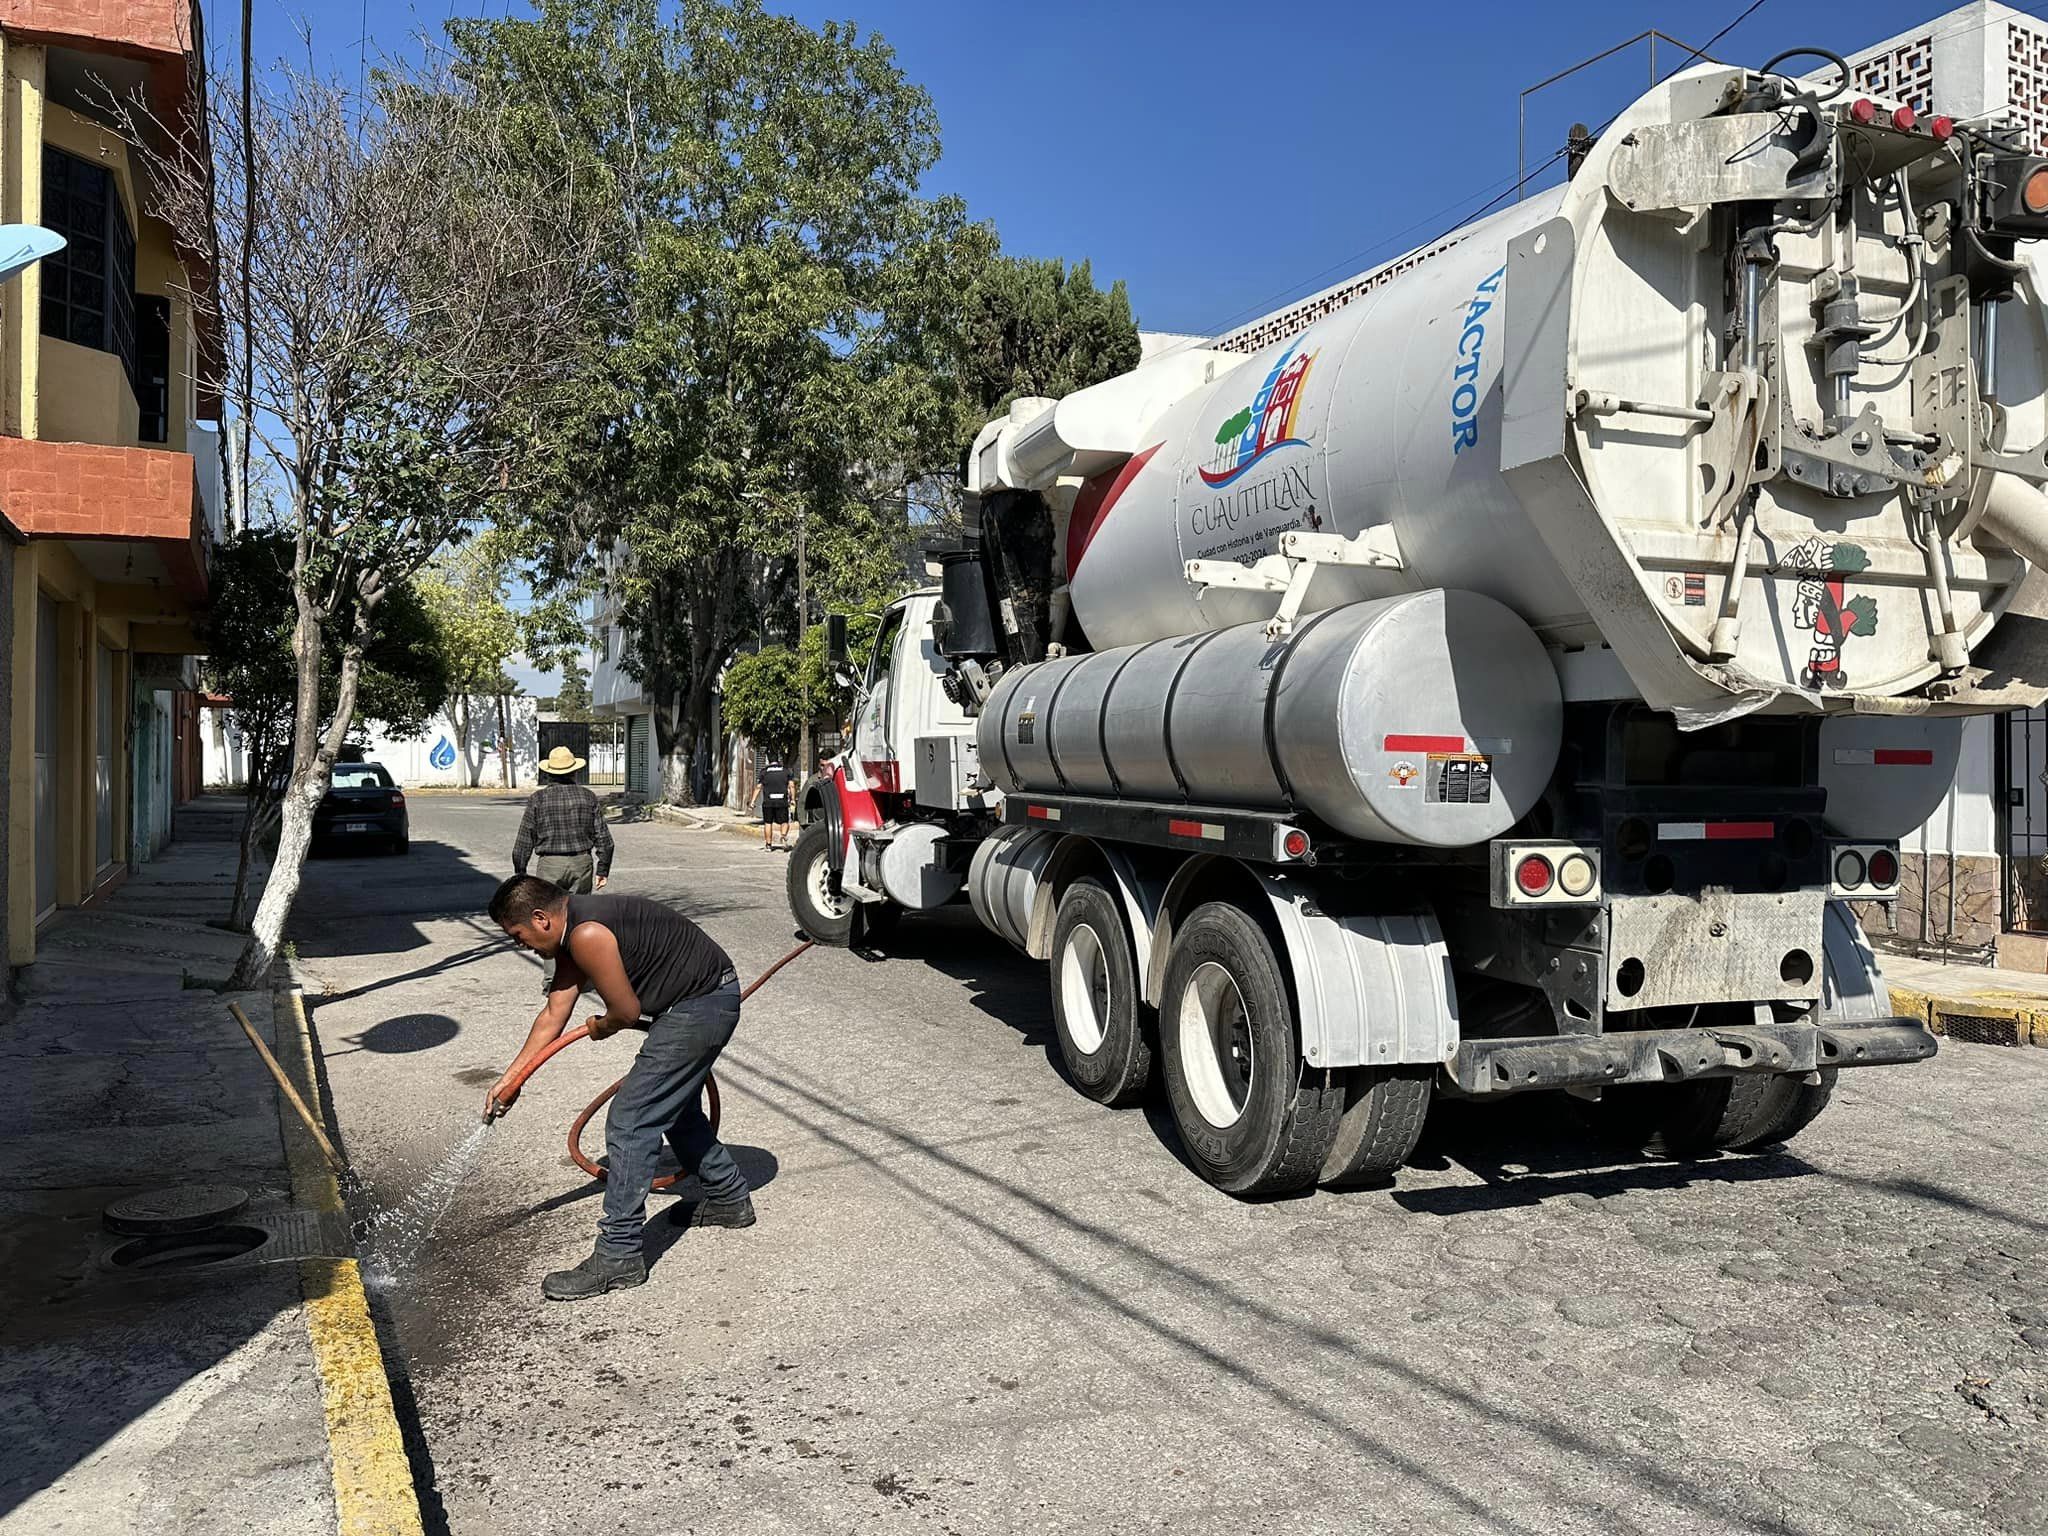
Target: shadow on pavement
[(400, 1036)]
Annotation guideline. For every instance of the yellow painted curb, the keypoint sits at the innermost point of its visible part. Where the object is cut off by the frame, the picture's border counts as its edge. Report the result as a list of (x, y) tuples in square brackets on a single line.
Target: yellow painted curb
[(373, 1491)]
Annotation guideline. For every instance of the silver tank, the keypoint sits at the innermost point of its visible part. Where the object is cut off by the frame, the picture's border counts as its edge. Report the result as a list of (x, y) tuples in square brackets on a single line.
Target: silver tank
[(1386, 414), (1430, 719)]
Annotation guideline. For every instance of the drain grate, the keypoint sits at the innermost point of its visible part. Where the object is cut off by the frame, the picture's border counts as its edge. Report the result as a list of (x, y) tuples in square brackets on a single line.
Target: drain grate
[(276, 1237), (1977, 1028)]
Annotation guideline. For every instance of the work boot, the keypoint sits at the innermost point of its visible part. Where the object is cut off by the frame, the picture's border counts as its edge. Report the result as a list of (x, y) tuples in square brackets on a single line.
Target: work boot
[(594, 1276), (717, 1213)]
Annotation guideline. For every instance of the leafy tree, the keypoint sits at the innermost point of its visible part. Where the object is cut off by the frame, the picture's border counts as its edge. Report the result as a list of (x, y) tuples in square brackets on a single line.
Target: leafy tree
[(477, 634), (832, 688), (1040, 327), (573, 701), (248, 630), (780, 314), (406, 308), (762, 700)]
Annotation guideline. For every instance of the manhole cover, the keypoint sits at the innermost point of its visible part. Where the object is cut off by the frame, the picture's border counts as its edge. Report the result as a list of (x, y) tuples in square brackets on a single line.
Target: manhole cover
[(188, 1250), (181, 1208)]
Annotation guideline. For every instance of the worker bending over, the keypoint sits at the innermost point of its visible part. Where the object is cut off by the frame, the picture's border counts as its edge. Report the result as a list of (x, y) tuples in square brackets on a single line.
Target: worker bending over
[(654, 969)]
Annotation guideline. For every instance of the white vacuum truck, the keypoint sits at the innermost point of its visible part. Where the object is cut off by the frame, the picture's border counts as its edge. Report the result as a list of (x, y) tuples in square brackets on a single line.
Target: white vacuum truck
[(1503, 671)]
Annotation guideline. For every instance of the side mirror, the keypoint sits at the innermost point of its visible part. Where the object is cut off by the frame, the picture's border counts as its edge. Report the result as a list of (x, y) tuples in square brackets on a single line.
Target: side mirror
[(835, 637)]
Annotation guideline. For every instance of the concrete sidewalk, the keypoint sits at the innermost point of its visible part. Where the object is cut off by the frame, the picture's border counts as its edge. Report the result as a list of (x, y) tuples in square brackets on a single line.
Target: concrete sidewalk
[(1983, 1004), (152, 1400)]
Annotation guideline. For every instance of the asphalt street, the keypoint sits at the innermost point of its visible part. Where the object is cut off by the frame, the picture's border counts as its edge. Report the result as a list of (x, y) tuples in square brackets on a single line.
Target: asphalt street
[(977, 1302)]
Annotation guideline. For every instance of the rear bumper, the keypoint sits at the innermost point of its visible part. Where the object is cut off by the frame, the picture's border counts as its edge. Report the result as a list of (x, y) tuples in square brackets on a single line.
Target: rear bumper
[(1679, 1055), (383, 824)]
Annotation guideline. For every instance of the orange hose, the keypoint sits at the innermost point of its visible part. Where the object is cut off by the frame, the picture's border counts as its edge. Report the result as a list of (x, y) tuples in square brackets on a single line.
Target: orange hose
[(582, 1031)]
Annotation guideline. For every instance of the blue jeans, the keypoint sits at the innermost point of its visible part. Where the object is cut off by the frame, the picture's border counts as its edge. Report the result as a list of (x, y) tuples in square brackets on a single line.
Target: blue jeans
[(663, 1096)]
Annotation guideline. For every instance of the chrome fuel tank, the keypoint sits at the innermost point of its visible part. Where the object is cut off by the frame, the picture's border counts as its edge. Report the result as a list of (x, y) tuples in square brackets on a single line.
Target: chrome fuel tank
[(1429, 718)]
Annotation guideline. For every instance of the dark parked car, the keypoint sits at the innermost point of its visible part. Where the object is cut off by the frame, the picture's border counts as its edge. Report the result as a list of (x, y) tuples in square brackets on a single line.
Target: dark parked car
[(363, 803)]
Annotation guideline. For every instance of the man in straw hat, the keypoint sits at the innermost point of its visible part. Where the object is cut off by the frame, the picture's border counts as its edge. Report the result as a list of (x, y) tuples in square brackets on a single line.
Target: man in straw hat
[(564, 829)]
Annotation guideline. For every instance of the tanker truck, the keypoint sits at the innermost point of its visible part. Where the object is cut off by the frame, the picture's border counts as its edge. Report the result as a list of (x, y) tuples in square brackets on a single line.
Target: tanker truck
[(1507, 671)]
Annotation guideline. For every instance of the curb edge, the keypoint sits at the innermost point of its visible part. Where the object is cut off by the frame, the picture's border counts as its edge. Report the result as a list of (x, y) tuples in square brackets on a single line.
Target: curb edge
[(373, 1487)]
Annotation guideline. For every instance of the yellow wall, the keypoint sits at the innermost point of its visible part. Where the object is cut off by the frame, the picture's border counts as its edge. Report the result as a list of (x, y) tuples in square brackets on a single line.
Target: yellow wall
[(88, 615), (54, 389), (21, 198), (85, 397)]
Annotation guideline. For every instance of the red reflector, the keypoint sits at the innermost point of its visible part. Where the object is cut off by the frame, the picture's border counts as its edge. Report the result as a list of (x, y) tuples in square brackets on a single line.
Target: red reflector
[(1294, 844), (1903, 119), (1863, 110), (1424, 744), (1903, 757), (1884, 867), (1943, 128), (1040, 812), (1740, 831), (1534, 875)]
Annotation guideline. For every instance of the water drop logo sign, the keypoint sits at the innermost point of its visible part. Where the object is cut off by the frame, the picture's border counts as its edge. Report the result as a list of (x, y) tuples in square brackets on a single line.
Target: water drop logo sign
[(443, 755), (1264, 426)]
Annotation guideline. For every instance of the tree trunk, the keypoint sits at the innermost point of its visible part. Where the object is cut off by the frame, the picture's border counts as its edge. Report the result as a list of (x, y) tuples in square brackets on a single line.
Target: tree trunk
[(504, 744), (256, 818), (313, 754)]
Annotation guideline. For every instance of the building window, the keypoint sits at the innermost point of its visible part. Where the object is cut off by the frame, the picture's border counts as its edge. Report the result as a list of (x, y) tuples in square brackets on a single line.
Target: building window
[(153, 366), (89, 286)]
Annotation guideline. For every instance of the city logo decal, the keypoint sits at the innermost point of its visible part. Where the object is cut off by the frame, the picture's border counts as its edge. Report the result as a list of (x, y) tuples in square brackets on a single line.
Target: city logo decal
[(1265, 426), (1823, 567), (443, 755)]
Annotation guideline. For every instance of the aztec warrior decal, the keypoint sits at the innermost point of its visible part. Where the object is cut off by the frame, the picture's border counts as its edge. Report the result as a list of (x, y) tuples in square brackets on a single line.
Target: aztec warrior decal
[(1823, 567)]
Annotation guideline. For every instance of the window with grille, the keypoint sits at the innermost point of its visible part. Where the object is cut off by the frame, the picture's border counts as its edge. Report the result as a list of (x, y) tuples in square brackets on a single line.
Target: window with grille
[(153, 366), (89, 286)]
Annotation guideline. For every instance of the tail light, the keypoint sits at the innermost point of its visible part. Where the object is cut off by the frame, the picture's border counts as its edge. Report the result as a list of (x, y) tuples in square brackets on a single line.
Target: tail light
[(1864, 872), (1863, 110), (398, 799), (1903, 119), (1943, 128), (1544, 874)]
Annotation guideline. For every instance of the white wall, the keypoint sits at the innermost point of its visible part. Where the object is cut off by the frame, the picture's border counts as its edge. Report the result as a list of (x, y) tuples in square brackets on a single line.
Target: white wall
[(1966, 821), (436, 757), (432, 759)]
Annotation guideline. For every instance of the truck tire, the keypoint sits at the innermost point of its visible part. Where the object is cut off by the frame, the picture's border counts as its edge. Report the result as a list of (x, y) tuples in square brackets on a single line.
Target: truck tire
[(1384, 1108), (1102, 1024), (1254, 1119), (821, 910), (1719, 1114)]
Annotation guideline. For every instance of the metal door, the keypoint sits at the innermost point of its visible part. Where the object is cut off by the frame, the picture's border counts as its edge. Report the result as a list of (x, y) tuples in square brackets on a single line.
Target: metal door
[(636, 753), (103, 758), (46, 755), (2023, 782)]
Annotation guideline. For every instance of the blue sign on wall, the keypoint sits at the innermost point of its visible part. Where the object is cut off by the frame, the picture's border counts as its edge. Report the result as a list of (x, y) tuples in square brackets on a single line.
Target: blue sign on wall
[(443, 755)]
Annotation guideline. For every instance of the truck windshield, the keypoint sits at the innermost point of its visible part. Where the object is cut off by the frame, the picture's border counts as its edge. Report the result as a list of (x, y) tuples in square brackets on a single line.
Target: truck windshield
[(885, 642)]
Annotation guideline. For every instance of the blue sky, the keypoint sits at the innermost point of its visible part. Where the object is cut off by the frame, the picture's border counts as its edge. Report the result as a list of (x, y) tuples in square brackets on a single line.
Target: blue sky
[(1223, 158)]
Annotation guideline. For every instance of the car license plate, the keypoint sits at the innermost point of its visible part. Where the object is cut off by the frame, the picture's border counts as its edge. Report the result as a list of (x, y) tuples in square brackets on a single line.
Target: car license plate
[(355, 826)]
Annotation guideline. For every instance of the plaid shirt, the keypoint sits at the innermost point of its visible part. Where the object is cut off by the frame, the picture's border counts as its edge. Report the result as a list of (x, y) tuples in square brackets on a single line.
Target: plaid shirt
[(562, 819)]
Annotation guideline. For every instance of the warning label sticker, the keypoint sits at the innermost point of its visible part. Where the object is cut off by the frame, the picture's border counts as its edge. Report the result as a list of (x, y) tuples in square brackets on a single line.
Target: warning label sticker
[(1404, 775), (1464, 778)]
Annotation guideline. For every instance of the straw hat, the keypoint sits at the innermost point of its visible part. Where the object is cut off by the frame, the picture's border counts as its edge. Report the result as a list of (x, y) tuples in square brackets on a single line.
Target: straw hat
[(561, 760)]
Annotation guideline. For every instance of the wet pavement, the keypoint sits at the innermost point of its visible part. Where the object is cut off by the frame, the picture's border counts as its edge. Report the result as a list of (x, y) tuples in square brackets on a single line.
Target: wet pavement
[(978, 1302)]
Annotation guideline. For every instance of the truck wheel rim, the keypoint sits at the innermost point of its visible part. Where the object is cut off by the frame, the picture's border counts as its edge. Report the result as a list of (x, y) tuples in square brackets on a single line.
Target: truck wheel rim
[(1084, 988), (829, 902), (1216, 1045)]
